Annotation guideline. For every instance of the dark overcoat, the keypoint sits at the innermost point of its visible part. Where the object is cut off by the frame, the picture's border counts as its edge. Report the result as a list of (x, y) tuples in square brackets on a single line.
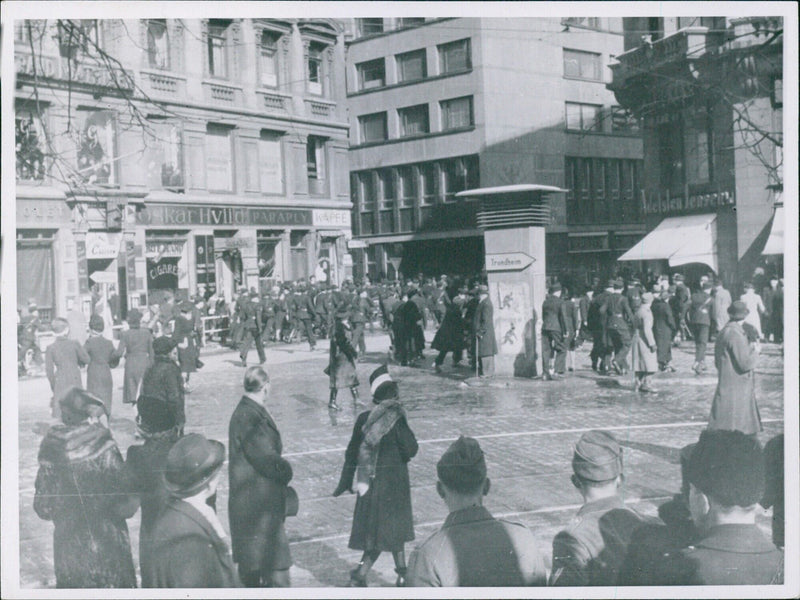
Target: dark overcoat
[(664, 329), (83, 487), (145, 463), (136, 345), (163, 380), (483, 325), (382, 519), (63, 359), (187, 552), (258, 476), (98, 374), (450, 336), (342, 357), (405, 328), (184, 335)]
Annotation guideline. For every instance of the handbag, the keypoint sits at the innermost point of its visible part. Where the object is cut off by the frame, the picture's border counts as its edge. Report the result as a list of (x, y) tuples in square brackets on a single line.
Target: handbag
[(292, 501)]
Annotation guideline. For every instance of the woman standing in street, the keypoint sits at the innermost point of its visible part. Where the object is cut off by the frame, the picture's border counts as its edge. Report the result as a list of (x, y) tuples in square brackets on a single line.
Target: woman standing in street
[(63, 360), (342, 358), (185, 339), (376, 460), (99, 382), (645, 362), (83, 487), (136, 345)]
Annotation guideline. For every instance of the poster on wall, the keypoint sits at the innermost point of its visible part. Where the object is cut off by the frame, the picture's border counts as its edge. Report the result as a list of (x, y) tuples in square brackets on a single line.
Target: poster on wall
[(96, 146), (512, 316)]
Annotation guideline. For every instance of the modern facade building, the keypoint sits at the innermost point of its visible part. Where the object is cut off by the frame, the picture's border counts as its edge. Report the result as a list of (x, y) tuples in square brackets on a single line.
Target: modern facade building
[(438, 106), (709, 94), (187, 155)]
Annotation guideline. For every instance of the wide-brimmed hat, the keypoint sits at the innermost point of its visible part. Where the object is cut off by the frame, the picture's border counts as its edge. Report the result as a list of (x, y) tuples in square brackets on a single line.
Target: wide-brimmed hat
[(738, 310), (77, 405), (191, 463)]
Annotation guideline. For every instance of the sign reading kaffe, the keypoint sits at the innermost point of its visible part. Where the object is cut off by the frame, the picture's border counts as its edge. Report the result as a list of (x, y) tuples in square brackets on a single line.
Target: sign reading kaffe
[(508, 261), (219, 215), (663, 202)]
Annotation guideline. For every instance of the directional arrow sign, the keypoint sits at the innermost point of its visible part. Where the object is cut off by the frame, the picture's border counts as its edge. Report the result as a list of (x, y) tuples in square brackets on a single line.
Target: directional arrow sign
[(508, 261)]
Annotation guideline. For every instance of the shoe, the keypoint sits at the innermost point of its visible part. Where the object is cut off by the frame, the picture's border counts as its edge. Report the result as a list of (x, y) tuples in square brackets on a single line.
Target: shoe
[(571, 370), (356, 580), (333, 405), (616, 367), (647, 389), (548, 377), (401, 578), (437, 369)]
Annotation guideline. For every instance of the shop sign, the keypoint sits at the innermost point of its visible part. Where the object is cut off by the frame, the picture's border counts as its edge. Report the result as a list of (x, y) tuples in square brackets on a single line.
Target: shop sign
[(162, 274), (178, 214), (356, 244), (508, 261), (338, 219), (83, 267), (42, 212), (104, 277), (102, 245), (588, 243), (234, 243), (663, 202), (165, 249)]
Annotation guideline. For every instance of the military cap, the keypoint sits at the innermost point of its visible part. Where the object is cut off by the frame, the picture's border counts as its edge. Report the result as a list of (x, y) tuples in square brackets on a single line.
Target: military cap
[(597, 456), (610, 283), (555, 287), (728, 466), (483, 289), (618, 284), (462, 467), (738, 310), (163, 345), (96, 323)]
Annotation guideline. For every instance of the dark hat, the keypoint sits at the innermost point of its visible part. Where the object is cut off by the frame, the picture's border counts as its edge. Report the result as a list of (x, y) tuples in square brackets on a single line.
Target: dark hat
[(186, 306), (738, 310), (77, 405), (154, 415), (462, 467), (96, 323), (618, 284), (191, 463), (163, 345), (677, 277), (60, 325), (597, 457), (483, 289), (134, 317), (707, 285), (728, 466), (610, 283), (555, 287), (381, 385), (342, 312)]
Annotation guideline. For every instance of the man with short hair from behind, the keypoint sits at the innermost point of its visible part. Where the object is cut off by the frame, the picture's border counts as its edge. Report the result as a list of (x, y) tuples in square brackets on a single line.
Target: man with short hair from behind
[(473, 548)]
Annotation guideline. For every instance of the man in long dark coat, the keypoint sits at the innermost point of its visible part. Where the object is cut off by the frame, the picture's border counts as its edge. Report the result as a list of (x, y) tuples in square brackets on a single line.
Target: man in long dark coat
[(450, 336), (554, 330), (407, 322), (596, 324), (700, 324), (163, 379), (664, 330), (258, 477), (483, 326), (251, 325), (618, 319)]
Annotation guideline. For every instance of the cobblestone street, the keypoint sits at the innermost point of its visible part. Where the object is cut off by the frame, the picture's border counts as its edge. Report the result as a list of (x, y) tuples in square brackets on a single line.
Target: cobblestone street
[(526, 427)]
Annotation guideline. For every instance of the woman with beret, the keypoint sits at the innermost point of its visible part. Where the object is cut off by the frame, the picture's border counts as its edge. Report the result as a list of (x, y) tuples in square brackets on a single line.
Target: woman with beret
[(342, 358), (184, 337), (376, 460), (101, 358), (645, 361), (136, 345), (62, 362), (163, 379), (83, 487)]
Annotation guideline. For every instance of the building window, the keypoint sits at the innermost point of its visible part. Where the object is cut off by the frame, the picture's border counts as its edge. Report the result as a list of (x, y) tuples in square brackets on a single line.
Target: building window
[(96, 148), (157, 44), (411, 66), (21, 32), (582, 65), (408, 191), (314, 67), (623, 121), (388, 196), (219, 158), (601, 190), (165, 155), (218, 48), (454, 57), (459, 174), (316, 164), (410, 22), (777, 92), (696, 149), (29, 146), (368, 191), (268, 58), (373, 127), (371, 74), (414, 120), (670, 156), (78, 34), (587, 22), (457, 113), (270, 162), (583, 117), (369, 27), (427, 172)]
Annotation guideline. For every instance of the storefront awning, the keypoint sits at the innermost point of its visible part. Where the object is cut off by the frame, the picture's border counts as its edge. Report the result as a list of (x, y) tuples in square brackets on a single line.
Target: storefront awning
[(680, 240), (774, 243)]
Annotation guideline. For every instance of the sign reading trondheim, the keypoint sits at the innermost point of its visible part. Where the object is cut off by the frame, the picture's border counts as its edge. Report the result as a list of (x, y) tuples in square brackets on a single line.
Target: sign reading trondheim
[(508, 261)]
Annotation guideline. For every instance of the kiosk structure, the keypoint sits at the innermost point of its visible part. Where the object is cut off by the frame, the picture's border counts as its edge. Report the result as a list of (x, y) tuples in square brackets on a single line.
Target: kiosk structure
[(513, 219)]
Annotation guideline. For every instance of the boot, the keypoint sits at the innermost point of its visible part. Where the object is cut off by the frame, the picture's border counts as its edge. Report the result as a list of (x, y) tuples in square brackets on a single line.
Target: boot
[(354, 392), (401, 577), (357, 580), (332, 402)]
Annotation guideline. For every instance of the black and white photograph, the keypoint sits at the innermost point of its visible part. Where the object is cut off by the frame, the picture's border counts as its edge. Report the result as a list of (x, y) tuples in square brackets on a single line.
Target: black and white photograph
[(476, 296)]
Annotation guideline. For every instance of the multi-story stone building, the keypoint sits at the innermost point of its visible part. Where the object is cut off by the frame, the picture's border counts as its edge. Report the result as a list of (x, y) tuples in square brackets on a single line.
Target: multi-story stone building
[(438, 106), (709, 94), (182, 154)]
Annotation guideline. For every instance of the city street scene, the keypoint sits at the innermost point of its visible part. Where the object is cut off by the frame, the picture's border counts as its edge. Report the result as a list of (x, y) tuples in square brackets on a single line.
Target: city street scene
[(402, 302)]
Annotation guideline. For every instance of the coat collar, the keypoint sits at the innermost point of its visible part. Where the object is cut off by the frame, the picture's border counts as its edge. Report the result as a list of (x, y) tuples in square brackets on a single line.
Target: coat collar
[(194, 515), (471, 514), (602, 505), (263, 413), (739, 539)]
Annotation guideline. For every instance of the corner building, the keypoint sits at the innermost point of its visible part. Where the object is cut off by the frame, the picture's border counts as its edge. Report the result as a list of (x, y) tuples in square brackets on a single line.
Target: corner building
[(438, 106), (181, 155)]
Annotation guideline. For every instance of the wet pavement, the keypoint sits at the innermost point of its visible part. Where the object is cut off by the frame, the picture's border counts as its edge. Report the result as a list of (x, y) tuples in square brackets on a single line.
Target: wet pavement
[(526, 427)]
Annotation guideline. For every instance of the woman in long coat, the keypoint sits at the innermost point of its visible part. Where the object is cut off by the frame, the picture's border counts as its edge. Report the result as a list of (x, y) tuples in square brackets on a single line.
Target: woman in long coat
[(99, 381), (734, 406), (450, 336), (163, 380), (62, 362), (342, 359), (645, 362), (83, 487), (258, 477), (377, 459), (136, 345), (184, 338), (664, 330)]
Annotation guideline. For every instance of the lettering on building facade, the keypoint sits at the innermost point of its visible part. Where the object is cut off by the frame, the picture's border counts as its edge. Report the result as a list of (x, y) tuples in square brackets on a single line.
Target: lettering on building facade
[(218, 215), (656, 202)]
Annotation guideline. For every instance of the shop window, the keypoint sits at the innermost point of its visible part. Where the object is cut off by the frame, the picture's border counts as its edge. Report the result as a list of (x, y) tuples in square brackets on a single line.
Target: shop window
[(412, 66), (373, 127), (217, 47), (371, 74), (372, 26), (414, 120), (583, 117), (268, 58), (157, 44), (582, 65), (454, 57), (299, 255), (314, 67), (267, 242), (29, 146), (36, 271), (457, 113), (164, 155), (270, 162), (96, 146), (219, 158)]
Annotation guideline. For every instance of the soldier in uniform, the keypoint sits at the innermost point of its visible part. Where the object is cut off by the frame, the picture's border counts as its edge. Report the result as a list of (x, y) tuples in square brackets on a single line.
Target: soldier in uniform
[(618, 319), (680, 305), (554, 328), (597, 326), (700, 324), (268, 302), (582, 553), (303, 314), (473, 548), (251, 323), (281, 308), (359, 312)]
